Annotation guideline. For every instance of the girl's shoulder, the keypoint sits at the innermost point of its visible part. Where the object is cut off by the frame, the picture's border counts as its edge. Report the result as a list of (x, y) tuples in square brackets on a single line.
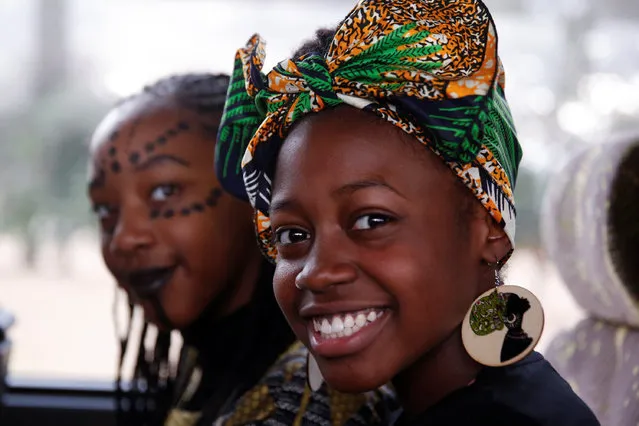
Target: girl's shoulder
[(533, 389), (528, 393)]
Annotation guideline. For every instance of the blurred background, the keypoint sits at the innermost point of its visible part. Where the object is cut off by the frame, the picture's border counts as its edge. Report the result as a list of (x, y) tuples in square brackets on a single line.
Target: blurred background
[(572, 78)]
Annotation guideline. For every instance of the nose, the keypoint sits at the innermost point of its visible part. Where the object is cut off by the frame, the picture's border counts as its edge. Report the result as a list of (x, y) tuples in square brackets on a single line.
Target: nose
[(327, 265), (133, 232)]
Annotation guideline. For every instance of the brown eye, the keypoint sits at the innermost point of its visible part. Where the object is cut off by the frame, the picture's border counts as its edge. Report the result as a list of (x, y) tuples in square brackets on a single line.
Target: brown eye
[(107, 216), (163, 192), (290, 236), (102, 211), (370, 221)]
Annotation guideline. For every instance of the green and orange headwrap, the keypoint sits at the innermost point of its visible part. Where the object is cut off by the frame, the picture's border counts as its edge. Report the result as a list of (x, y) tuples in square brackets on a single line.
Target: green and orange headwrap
[(429, 67)]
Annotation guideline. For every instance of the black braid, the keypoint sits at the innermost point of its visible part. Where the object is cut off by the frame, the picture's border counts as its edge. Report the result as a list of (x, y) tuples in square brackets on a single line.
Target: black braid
[(149, 399), (267, 338), (204, 93), (201, 93), (623, 225)]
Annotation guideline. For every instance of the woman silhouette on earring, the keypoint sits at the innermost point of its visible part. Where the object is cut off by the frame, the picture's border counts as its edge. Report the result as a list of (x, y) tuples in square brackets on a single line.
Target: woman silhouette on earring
[(516, 340)]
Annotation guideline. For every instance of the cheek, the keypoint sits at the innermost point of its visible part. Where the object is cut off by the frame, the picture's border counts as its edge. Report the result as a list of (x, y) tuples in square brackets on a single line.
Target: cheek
[(108, 259), (429, 279), (285, 291), (191, 242), (188, 235)]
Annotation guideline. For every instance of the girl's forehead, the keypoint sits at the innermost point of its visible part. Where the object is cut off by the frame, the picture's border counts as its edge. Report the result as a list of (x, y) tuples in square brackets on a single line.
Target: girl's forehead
[(349, 137), (362, 150), (142, 107), (145, 130)]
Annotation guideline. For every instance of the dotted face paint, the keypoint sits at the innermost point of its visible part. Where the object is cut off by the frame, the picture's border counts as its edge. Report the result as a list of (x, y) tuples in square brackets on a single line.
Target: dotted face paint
[(196, 207)]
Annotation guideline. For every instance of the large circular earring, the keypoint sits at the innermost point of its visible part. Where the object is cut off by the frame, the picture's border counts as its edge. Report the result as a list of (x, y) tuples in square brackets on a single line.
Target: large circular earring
[(503, 325)]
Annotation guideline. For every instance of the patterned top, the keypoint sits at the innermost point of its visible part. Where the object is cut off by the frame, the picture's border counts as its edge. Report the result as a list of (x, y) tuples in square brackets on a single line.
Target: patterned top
[(283, 398), (429, 67)]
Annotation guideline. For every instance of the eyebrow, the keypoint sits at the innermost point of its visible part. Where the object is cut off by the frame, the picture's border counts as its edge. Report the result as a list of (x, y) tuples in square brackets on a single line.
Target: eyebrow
[(159, 159), (348, 189), (282, 205), (352, 187)]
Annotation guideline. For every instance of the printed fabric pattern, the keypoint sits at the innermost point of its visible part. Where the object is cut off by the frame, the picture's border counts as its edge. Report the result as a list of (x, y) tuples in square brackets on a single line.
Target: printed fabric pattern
[(428, 67)]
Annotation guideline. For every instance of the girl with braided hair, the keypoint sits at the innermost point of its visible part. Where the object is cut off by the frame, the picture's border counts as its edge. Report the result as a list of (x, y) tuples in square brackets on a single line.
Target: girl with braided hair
[(184, 251)]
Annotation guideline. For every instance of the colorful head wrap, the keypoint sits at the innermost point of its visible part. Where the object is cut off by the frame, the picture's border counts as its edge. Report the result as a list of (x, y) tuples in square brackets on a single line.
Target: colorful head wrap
[(429, 67)]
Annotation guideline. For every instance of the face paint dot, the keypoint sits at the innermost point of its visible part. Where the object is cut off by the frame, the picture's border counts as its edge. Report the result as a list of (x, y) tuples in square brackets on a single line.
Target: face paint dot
[(169, 214), (161, 140), (185, 211), (171, 133), (216, 192), (198, 207), (211, 201), (149, 147), (183, 125), (112, 151), (155, 214), (134, 158), (115, 167)]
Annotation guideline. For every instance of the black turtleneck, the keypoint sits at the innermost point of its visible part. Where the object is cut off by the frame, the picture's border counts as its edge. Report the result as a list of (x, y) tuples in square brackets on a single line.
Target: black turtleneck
[(233, 352)]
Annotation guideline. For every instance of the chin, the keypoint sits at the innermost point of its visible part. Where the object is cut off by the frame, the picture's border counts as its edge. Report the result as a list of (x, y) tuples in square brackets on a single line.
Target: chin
[(180, 311), (179, 320), (345, 379)]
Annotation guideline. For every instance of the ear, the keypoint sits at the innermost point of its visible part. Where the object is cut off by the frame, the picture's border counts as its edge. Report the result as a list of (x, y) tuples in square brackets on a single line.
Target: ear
[(497, 245)]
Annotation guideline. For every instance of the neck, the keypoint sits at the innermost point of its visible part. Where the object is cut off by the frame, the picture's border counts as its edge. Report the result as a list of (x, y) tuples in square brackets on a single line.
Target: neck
[(436, 374), (240, 289), (216, 327)]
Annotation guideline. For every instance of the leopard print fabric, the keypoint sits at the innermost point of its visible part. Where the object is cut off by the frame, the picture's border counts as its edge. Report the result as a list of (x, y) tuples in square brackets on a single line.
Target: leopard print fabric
[(429, 67)]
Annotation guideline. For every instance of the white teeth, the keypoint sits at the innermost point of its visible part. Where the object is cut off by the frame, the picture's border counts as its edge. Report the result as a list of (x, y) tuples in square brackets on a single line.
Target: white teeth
[(337, 326), (326, 327), (349, 322), (340, 325)]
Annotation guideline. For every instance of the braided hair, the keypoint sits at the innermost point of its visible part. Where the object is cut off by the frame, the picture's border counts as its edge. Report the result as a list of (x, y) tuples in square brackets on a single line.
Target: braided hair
[(148, 398)]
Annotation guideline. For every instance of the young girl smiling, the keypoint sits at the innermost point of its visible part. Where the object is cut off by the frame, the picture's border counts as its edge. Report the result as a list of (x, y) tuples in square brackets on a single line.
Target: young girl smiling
[(387, 264)]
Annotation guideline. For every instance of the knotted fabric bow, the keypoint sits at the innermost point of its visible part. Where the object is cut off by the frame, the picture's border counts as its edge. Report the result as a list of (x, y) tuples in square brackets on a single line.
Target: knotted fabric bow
[(429, 67)]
